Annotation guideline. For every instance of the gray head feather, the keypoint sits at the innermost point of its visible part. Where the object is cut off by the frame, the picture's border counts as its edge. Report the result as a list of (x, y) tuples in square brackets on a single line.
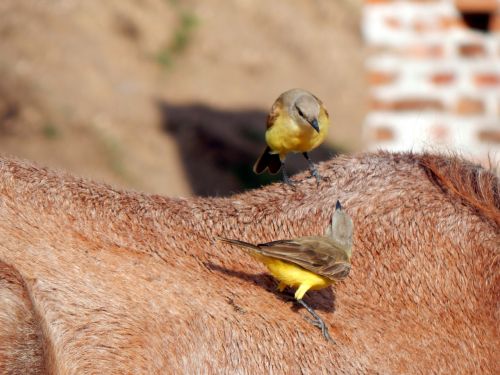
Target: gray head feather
[(303, 106), (341, 230)]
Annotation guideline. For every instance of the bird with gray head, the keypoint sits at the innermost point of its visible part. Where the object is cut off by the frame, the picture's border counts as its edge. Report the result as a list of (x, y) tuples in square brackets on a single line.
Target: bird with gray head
[(297, 122), (308, 263)]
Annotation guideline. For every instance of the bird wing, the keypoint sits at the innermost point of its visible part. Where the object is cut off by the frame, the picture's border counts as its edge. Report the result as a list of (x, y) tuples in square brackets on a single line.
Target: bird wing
[(315, 254), (240, 244), (322, 110), (273, 114)]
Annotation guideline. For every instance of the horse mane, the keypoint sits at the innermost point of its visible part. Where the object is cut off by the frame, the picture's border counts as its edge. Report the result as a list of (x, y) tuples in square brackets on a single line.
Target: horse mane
[(477, 187)]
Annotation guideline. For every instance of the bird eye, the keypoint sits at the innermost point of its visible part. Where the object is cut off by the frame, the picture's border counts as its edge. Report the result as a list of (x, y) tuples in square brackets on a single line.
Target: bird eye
[(300, 112)]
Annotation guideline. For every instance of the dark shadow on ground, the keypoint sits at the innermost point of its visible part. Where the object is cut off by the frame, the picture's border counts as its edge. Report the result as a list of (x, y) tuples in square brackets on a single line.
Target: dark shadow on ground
[(321, 300), (219, 147)]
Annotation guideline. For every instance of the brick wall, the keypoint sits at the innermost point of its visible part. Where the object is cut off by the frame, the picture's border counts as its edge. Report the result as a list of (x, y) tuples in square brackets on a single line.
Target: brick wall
[(435, 81)]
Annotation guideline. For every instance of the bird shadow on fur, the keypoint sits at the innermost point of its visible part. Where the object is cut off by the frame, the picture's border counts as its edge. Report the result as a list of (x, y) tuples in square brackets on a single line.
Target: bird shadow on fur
[(321, 300), (218, 147)]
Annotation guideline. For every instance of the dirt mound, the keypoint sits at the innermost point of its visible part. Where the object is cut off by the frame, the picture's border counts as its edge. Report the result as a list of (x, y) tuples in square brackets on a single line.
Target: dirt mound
[(85, 84)]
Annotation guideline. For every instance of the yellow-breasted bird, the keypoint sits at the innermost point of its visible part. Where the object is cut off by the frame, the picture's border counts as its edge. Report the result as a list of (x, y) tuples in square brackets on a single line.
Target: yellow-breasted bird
[(308, 263), (297, 122)]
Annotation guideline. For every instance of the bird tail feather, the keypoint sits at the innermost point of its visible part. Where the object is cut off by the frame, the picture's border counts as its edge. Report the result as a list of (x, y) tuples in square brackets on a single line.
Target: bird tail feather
[(269, 161), (242, 244)]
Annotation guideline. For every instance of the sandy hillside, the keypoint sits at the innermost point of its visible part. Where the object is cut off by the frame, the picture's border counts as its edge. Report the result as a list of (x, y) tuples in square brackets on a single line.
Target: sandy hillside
[(170, 96)]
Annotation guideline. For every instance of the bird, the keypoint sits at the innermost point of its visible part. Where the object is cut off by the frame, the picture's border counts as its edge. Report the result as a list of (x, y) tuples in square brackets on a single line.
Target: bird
[(297, 122), (308, 263)]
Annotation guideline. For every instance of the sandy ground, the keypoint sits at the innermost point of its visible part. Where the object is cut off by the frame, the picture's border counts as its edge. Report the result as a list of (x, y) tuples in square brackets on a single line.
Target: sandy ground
[(168, 96)]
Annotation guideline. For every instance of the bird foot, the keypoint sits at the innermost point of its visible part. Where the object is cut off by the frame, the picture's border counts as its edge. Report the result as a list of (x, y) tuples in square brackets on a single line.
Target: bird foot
[(317, 321), (322, 326), (316, 174)]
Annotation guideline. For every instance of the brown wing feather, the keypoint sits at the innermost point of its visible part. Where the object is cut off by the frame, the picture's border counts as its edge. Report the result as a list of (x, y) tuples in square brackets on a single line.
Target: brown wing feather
[(239, 243), (273, 114), (326, 112), (322, 107), (316, 254)]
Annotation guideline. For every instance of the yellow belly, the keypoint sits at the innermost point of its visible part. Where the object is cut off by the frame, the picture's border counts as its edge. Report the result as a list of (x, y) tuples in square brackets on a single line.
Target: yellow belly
[(293, 275), (286, 136)]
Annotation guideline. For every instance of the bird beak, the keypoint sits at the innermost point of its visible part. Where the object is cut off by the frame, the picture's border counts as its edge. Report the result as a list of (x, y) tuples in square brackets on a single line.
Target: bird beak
[(338, 206), (315, 125)]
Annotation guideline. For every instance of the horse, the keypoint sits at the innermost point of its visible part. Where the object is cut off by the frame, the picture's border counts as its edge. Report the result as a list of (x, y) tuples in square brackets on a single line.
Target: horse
[(94, 279)]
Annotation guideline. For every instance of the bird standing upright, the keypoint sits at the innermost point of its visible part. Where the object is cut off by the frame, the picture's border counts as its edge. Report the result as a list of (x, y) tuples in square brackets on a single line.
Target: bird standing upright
[(297, 122), (308, 263)]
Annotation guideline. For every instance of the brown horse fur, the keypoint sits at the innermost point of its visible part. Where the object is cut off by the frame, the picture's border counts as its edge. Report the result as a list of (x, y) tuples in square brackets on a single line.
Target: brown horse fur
[(96, 280)]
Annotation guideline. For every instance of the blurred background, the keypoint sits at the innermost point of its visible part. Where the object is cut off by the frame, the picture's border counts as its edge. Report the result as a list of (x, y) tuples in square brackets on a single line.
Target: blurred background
[(171, 97)]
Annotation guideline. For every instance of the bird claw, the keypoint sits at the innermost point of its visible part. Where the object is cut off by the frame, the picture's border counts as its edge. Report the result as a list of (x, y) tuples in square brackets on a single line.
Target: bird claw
[(317, 321), (313, 322), (322, 326), (315, 174)]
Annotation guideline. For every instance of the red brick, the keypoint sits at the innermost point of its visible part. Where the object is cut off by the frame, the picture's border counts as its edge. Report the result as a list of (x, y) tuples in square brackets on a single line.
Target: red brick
[(417, 104), (422, 51), (446, 23), (377, 78), (439, 133), (392, 22), (487, 79), (472, 50), (474, 6), (490, 135), (495, 23), (375, 2), (380, 105), (469, 106), (414, 104), (420, 26), (382, 134), (443, 78)]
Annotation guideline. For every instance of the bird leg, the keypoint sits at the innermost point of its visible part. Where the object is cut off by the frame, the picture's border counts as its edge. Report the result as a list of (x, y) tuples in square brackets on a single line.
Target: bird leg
[(317, 322), (286, 179), (281, 287), (312, 168)]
